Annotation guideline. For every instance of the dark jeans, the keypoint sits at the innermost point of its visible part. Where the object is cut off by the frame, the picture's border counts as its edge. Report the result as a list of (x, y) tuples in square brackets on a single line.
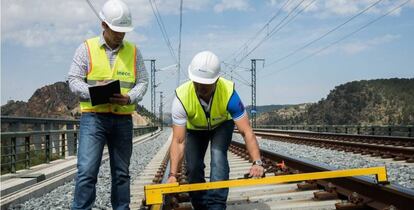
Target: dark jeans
[(96, 130), (195, 149)]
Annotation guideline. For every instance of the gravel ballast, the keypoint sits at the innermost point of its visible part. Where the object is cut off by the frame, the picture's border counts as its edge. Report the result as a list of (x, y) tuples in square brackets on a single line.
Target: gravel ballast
[(399, 173), (62, 197)]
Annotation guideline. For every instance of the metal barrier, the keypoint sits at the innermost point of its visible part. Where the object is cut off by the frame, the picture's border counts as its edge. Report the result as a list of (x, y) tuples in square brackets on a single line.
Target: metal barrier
[(386, 130), (47, 140), (19, 151)]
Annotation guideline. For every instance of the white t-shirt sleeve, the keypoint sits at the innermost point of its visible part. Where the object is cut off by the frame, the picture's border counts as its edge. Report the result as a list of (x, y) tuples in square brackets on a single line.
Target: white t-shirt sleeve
[(179, 116)]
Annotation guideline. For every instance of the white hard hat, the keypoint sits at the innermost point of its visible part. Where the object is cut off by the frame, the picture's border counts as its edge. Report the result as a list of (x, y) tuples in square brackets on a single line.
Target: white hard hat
[(116, 14), (204, 68)]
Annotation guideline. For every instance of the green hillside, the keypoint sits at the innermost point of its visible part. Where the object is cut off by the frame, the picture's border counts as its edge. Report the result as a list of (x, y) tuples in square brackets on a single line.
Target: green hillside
[(373, 102)]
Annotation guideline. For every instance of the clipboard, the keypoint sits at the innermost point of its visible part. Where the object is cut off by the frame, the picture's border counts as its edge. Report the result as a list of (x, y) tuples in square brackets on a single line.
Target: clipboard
[(100, 94)]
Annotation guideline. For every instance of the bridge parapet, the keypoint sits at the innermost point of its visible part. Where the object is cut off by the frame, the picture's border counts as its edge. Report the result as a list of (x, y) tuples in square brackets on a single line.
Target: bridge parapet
[(26, 142)]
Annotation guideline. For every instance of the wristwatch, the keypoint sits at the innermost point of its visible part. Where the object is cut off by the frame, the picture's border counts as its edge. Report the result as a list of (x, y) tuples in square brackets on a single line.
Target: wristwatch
[(173, 174), (258, 162)]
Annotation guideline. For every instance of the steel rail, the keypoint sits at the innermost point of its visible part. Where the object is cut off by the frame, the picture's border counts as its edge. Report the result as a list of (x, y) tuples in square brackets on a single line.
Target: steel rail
[(375, 195), (399, 148), (409, 151)]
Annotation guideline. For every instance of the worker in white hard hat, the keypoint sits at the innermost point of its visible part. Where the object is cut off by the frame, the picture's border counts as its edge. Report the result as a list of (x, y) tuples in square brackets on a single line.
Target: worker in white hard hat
[(204, 112), (99, 60)]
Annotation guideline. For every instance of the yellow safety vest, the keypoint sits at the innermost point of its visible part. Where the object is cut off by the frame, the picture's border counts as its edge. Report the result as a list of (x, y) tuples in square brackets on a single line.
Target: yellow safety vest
[(124, 70), (197, 119)]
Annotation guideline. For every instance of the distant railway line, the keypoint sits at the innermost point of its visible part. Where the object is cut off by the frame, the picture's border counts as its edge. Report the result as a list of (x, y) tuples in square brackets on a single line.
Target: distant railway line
[(398, 148)]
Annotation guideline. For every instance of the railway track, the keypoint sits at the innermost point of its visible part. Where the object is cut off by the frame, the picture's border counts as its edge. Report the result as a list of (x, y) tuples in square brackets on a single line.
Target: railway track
[(397, 148), (338, 193)]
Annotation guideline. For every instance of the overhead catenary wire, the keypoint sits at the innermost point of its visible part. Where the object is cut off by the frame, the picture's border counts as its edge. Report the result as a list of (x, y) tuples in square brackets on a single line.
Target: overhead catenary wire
[(241, 67), (250, 40), (162, 28), (237, 77), (241, 77), (240, 80), (169, 75), (94, 10), (233, 66), (234, 74), (337, 41), (179, 43), (277, 28), (168, 100), (325, 34)]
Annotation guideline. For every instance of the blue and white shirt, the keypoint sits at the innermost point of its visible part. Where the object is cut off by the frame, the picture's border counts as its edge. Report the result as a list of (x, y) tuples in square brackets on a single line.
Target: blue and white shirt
[(235, 108)]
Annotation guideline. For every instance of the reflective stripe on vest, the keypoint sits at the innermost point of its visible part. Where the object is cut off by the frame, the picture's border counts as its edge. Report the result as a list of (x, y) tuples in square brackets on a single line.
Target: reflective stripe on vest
[(100, 70), (196, 117)]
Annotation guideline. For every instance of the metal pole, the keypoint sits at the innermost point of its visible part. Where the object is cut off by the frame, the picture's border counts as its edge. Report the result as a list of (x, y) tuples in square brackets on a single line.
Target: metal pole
[(94, 10), (27, 151), (14, 154), (179, 44), (160, 111), (253, 109), (253, 85), (153, 86), (47, 148), (63, 145)]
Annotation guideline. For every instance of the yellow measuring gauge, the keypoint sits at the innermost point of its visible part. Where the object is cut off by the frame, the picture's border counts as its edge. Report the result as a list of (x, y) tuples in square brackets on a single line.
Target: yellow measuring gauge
[(154, 193)]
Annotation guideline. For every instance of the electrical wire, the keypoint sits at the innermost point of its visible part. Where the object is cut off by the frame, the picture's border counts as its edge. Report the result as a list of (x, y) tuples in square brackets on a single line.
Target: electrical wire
[(179, 43), (240, 80), (162, 28), (94, 10), (251, 39), (339, 40), (277, 28), (324, 35), (241, 67)]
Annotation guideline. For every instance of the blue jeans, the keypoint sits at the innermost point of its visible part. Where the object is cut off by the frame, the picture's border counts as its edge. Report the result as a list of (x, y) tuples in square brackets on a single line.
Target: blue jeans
[(96, 130), (195, 149)]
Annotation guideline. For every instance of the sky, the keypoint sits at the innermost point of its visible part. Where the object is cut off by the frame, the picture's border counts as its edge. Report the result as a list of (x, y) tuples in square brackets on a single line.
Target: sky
[(309, 46)]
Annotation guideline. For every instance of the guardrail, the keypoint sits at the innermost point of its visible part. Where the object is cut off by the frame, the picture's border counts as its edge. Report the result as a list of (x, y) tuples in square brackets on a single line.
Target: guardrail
[(386, 130), (32, 141)]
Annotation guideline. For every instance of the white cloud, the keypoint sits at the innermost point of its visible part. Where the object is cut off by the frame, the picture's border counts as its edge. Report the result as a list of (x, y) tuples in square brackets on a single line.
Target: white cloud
[(273, 2), (240, 5), (40, 22), (359, 46), (169, 7), (356, 46), (136, 37), (353, 48), (37, 23), (342, 7), (324, 9)]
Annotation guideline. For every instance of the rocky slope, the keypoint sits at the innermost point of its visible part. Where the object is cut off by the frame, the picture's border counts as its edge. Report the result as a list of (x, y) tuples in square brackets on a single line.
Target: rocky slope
[(57, 101)]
